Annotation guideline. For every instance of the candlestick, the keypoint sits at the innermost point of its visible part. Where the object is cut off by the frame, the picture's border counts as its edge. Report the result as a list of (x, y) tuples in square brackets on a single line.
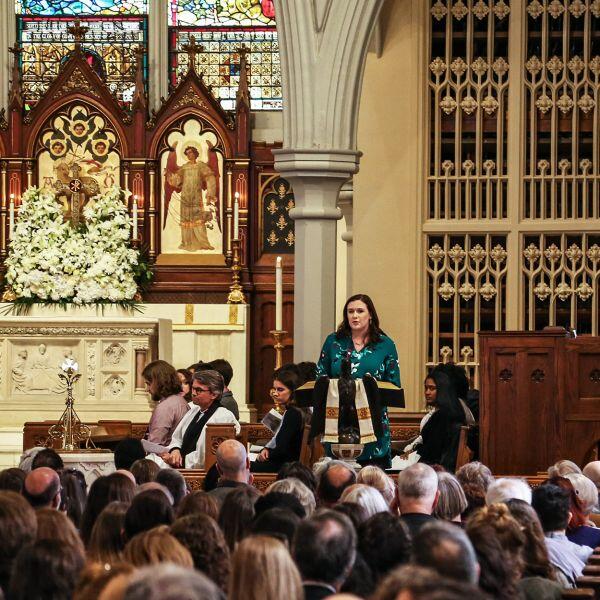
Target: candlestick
[(236, 217), (278, 294), (278, 336), (11, 217), (135, 218), (236, 292)]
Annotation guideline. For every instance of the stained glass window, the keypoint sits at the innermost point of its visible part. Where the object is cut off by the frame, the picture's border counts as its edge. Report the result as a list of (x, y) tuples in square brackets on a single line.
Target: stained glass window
[(81, 7), (221, 27)]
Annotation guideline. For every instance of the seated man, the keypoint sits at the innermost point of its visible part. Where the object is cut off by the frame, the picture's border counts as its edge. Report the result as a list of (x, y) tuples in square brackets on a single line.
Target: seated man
[(187, 444), (222, 366)]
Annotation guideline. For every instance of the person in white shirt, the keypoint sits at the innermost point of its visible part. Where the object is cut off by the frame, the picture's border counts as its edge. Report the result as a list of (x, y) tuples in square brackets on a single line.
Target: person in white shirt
[(186, 449)]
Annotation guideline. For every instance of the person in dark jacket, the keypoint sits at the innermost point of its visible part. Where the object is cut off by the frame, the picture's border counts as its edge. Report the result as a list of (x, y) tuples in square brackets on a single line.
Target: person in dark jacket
[(285, 445)]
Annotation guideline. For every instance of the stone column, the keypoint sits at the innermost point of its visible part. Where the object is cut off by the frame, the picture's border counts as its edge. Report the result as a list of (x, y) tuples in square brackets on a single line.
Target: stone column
[(8, 36), (345, 204), (323, 47), (158, 51)]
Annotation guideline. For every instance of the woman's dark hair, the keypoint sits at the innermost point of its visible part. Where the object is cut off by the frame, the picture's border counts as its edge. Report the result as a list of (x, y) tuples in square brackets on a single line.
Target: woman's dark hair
[(144, 470), (535, 553), (374, 334), (299, 471), (237, 514), (164, 375), (497, 576), (12, 480), (575, 507), (288, 375), (202, 537), (147, 510), (107, 540), (48, 457), (73, 495), (198, 502), (355, 512), (188, 379), (46, 569), (307, 370), (457, 376), (113, 487), (447, 399)]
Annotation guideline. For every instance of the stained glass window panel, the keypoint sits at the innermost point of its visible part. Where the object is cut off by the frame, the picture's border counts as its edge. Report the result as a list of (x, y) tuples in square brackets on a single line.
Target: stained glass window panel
[(109, 45), (220, 63), (219, 13), (81, 7)]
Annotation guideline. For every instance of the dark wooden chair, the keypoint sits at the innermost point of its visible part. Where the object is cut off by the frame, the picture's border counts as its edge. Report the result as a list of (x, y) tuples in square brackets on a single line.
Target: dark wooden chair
[(464, 453)]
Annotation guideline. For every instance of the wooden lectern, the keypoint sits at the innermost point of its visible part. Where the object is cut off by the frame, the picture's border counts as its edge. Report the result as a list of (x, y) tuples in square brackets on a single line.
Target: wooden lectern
[(540, 400)]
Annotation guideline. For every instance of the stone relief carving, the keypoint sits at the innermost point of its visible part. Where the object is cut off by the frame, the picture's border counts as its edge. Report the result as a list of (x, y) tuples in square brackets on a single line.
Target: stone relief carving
[(91, 369), (34, 371), (114, 385), (114, 353), (78, 331)]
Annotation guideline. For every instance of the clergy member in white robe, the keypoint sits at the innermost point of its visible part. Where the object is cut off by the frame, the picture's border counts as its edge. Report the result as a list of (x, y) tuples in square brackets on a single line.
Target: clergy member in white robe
[(186, 449)]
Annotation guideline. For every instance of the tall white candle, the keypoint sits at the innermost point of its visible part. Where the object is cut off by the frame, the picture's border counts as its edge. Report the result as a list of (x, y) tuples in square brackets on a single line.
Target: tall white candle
[(278, 294), (135, 218), (11, 217), (236, 217)]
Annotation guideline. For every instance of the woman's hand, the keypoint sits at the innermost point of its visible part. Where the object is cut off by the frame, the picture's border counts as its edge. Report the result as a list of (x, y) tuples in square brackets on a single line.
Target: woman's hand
[(264, 455)]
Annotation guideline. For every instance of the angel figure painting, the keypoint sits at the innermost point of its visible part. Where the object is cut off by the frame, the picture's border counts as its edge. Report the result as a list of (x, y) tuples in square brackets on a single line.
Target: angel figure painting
[(191, 199)]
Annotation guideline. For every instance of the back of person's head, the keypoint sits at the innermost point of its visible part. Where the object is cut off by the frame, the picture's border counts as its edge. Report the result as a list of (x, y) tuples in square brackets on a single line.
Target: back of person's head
[(592, 470), (201, 535), (174, 481), (237, 514), (445, 548), (232, 459), (551, 503), (377, 478), (73, 494), (12, 480), (535, 553), (162, 379), (497, 575), (507, 488), (222, 366), (262, 569), (333, 479), (42, 488), (279, 500), (144, 470), (127, 451), (411, 582), (47, 458), (46, 569), (155, 546), (107, 540), (475, 473), (55, 525), (324, 547), (299, 471), (115, 487), (452, 501), (294, 486), (562, 468), (280, 523), (198, 502), (355, 512), (154, 485), (418, 484), (18, 528), (578, 518), (586, 491), (307, 371), (147, 510), (171, 582), (368, 497), (95, 578), (457, 376), (384, 542)]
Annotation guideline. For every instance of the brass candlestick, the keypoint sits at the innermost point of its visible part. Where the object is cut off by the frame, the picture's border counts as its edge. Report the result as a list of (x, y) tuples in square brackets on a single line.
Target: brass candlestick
[(69, 428), (278, 335), (236, 293)]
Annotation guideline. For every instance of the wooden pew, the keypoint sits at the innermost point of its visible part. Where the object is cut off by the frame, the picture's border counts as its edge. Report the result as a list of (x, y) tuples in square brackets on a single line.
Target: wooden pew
[(589, 582), (579, 593), (195, 479)]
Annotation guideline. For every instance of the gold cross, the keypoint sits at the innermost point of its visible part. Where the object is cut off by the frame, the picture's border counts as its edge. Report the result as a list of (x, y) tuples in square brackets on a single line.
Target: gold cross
[(77, 31)]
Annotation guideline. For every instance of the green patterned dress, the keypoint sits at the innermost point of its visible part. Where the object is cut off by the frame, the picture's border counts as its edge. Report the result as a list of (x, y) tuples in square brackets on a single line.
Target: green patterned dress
[(381, 361)]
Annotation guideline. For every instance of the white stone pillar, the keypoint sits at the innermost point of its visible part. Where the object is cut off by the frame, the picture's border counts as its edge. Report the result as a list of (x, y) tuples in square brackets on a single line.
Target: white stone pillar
[(347, 235), (8, 37), (323, 46), (158, 51)]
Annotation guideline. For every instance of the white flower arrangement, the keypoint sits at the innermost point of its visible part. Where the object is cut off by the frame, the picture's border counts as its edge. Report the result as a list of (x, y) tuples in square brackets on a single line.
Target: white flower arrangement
[(50, 261)]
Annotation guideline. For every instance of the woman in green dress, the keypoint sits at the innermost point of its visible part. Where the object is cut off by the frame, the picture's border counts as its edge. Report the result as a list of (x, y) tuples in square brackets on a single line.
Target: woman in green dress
[(360, 339)]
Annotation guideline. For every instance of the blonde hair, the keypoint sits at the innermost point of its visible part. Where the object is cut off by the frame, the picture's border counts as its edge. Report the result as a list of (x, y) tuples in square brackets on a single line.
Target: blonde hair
[(291, 485), (262, 569), (586, 491), (156, 546), (376, 478), (55, 525), (366, 496), (561, 468)]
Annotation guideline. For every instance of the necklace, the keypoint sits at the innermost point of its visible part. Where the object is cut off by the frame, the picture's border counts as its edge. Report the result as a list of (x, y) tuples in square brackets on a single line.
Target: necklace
[(358, 344)]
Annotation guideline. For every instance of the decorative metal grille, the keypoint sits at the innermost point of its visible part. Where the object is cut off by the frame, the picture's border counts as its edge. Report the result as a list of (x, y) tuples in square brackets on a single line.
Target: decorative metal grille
[(468, 98), (561, 277), (466, 277), (110, 45), (562, 84)]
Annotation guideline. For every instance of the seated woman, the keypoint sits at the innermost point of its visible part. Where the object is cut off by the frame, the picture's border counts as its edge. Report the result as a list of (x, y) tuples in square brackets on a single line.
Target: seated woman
[(285, 444), (440, 427)]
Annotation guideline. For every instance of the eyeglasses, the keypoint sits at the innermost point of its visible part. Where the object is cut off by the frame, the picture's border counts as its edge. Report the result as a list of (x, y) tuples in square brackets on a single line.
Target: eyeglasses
[(199, 390)]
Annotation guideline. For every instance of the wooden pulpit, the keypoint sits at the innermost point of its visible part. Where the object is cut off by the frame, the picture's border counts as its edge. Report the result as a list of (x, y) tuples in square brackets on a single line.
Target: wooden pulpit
[(540, 400)]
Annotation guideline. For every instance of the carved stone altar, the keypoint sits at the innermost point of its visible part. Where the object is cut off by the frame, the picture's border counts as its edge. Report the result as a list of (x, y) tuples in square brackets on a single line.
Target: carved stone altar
[(91, 464)]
